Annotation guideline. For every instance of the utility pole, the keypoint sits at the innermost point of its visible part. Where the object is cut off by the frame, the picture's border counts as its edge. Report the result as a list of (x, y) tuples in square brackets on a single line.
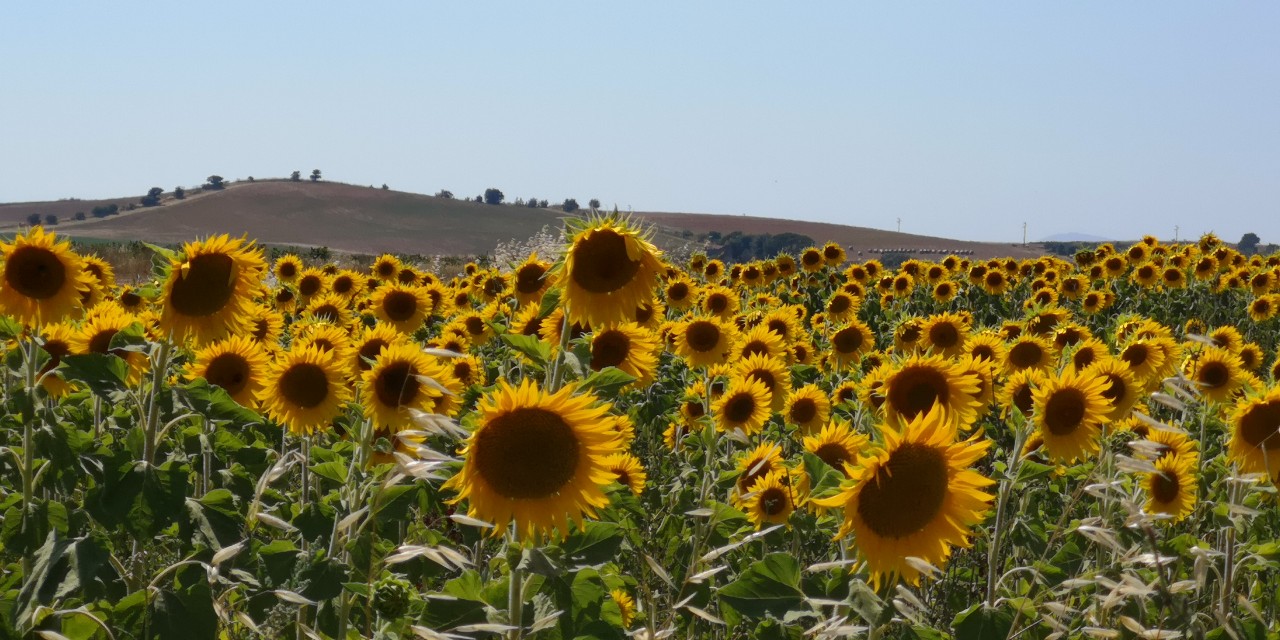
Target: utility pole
[(1024, 234), (899, 225), (1175, 232)]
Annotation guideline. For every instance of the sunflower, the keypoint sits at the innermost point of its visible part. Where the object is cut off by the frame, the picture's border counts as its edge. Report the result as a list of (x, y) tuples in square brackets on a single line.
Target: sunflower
[(626, 606), (837, 444), (1016, 392), (284, 299), (629, 347), (551, 327), (536, 458), (1087, 352), (744, 406), (680, 293), (58, 341), (922, 382), (1145, 358), (468, 370), (915, 496), (753, 465), (808, 409), (985, 346), (760, 340), (608, 271), (811, 260), (237, 364), (532, 280), (1255, 433), (42, 279), (1250, 356), (841, 307), (328, 307), (770, 499), (476, 324), (1172, 487), (719, 301), (395, 383), (349, 284), (96, 332), (208, 292), (1028, 352), (944, 334), (704, 341), (1227, 337), (287, 268), (369, 343), (1215, 373), (311, 282), (627, 471), (403, 307), (772, 372), (906, 336), (1069, 411), (305, 389)]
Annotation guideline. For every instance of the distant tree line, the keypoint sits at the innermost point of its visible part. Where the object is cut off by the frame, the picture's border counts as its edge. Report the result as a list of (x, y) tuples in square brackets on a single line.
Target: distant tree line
[(737, 246)]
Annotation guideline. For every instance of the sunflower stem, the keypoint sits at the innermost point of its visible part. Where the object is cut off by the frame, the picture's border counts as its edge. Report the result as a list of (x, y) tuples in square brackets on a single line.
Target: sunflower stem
[(515, 600), (1011, 475), (28, 449), (153, 404)]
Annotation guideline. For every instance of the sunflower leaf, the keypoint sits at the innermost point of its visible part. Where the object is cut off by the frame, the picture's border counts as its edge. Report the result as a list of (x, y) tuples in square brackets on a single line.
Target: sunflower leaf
[(768, 587), (608, 381), (9, 328), (103, 373), (215, 403), (550, 300), (531, 347)]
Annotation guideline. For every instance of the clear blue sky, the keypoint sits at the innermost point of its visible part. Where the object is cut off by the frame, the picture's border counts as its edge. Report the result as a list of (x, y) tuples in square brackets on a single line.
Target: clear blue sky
[(962, 119)]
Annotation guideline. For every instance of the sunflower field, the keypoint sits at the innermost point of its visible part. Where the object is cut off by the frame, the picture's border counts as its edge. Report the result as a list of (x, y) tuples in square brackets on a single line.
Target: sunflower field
[(601, 443)]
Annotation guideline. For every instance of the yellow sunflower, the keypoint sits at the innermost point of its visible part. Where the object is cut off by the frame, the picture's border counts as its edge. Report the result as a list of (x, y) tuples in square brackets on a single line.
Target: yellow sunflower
[(837, 444), (841, 307), (627, 470), (770, 499), (536, 458), (609, 270), (1123, 390), (402, 378), (945, 334), (760, 340), (985, 346), (1255, 433), (403, 307), (209, 290), (58, 341), (1028, 352), (720, 301), (349, 284), (287, 268), (743, 406), (328, 338), (922, 382), (369, 343), (305, 389), (850, 342), (704, 341), (915, 496), (532, 280), (385, 267), (808, 409), (626, 606), (42, 279), (772, 372), (1144, 357), (629, 347), (237, 364), (1172, 487), (1016, 391), (1070, 409), (328, 307), (96, 332), (1215, 373)]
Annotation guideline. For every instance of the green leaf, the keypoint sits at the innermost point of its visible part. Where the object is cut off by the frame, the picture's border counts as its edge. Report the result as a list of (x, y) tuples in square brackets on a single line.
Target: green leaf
[(130, 338), (214, 403), (824, 479), (63, 568), (597, 544), (768, 587), (980, 623), (608, 381), (103, 373), (537, 351), (213, 520), (335, 471), (9, 328), (550, 300)]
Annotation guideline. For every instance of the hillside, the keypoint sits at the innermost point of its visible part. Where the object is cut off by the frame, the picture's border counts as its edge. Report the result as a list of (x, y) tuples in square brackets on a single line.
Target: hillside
[(366, 220)]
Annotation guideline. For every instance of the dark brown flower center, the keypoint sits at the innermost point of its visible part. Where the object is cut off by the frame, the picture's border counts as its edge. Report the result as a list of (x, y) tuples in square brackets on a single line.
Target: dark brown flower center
[(35, 272), (526, 454), (907, 493), (229, 371), (609, 349), (916, 388), (397, 384), (601, 264), (207, 287), (400, 305), (305, 385), (1064, 411), (1259, 424)]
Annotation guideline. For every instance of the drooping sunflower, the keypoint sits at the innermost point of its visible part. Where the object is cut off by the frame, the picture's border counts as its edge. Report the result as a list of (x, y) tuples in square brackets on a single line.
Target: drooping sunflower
[(626, 606), (287, 268), (743, 406), (915, 496), (922, 382), (1255, 433), (42, 279), (305, 389), (808, 409), (609, 270), (536, 458), (394, 385), (1070, 409), (403, 307), (704, 341), (627, 346), (628, 471), (837, 444), (209, 290), (770, 499), (1172, 487)]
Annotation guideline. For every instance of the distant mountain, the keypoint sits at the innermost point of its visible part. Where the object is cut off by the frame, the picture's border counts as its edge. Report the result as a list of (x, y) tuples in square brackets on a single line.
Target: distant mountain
[(1072, 236)]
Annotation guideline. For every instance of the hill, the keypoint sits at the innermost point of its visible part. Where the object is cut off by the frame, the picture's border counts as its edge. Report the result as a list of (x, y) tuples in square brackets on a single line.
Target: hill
[(370, 221)]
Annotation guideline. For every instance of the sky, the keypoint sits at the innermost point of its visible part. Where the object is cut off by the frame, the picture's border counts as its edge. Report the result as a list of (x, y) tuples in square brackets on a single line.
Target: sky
[(961, 120)]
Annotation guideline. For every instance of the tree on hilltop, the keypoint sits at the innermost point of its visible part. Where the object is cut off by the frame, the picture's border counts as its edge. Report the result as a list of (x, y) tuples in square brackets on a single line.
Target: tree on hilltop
[(570, 205), (493, 196), (50, 220), (315, 175), (33, 219), (296, 176), (179, 193), (153, 197), (1249, 243), (214, 182), (594, 204)]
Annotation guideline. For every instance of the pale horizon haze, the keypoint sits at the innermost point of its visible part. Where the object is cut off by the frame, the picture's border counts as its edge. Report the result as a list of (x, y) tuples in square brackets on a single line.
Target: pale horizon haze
[(964, 120)]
